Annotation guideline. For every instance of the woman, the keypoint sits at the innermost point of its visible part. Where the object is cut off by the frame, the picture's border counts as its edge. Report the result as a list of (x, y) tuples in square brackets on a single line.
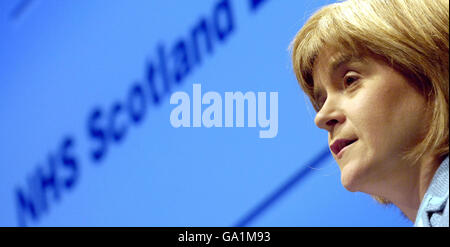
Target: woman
[(376, 72)]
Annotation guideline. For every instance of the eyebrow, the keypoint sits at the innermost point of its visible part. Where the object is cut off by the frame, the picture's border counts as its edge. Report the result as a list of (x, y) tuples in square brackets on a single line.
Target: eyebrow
[(339, 61)]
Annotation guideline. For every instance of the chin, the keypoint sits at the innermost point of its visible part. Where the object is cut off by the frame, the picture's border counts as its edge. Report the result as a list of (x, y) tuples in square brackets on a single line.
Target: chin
[(348, 185), (350, 178)]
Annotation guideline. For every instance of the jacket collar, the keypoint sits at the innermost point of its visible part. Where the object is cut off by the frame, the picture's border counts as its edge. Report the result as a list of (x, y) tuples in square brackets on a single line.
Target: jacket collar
[(436, 196)]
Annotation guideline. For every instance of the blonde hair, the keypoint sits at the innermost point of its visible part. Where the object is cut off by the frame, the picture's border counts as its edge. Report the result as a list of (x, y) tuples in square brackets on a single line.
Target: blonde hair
[(411, 35)]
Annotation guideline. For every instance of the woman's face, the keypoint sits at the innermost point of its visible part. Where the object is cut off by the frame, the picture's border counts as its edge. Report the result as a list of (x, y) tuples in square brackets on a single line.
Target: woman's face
[(372, 115)]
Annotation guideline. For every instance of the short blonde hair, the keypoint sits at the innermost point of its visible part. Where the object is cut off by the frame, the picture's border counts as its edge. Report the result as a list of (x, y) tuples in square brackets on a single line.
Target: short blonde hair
[(410, 35)]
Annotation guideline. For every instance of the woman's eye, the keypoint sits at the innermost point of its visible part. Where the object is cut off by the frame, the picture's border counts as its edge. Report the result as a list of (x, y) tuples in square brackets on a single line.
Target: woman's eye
[(349, 80)]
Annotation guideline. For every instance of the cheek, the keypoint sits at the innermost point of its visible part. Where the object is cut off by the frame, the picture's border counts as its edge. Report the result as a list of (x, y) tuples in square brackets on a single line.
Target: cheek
[(375, 117), (388, 119)]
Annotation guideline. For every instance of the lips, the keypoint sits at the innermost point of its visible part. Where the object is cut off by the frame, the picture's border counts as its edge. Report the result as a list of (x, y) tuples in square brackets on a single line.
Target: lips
[(339, 144)]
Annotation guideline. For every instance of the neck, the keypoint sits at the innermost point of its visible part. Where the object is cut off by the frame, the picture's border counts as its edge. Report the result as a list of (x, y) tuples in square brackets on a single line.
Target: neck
[(414, 185)]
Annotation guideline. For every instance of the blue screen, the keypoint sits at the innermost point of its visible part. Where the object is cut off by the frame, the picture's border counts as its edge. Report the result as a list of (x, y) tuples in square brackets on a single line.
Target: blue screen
[(87, 138)]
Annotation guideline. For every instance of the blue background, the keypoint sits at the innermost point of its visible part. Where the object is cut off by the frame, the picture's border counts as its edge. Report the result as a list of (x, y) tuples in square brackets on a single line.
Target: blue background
[(59, 60)]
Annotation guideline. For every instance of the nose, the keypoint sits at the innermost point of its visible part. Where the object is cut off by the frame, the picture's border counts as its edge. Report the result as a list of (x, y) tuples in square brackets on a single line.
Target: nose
[(329, 116)]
